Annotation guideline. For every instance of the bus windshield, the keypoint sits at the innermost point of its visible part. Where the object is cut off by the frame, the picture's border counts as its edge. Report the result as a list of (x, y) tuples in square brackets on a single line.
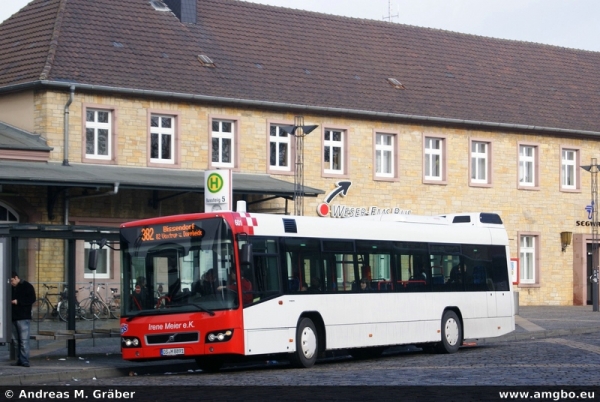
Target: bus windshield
[(178, 267)]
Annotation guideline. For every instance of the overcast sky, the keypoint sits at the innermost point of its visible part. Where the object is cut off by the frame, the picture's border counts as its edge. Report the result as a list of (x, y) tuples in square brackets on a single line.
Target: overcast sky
[(567, 23)]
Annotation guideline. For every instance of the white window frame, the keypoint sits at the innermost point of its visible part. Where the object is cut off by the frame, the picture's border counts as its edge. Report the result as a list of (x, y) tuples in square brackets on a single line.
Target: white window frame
[(569, 169), (382, 149), (96, 126), (480, 160), (528, 166), (279, 140), (103, 270), (162, 131), (330, 144), (430, 156), (528, 252), (222, 136)]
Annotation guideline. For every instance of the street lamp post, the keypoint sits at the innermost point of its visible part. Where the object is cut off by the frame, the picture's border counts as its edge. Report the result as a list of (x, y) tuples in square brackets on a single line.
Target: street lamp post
[(593, 168), (299, 131)]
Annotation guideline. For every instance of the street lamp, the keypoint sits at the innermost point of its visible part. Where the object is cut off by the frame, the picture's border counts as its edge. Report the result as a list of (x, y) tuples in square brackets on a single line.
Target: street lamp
[(593, 168), (299, 131)]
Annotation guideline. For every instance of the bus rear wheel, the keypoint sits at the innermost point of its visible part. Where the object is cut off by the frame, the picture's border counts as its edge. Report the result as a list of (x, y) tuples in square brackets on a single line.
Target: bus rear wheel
[(451, 333), (307, 344)]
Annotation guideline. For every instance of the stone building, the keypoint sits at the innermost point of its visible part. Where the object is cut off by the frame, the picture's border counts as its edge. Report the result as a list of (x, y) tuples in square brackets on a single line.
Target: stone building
[(112, 111)]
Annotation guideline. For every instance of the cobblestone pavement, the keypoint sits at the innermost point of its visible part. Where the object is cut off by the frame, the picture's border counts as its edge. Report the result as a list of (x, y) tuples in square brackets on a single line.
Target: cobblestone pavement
[(549, 361), (550, 346)]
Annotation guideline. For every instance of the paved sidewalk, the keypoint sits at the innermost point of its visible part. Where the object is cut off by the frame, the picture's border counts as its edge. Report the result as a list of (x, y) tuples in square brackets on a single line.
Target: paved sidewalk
[(101, 358)]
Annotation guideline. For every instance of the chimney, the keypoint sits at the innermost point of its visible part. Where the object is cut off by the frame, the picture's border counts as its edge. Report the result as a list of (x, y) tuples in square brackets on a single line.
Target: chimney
[(185, 10)]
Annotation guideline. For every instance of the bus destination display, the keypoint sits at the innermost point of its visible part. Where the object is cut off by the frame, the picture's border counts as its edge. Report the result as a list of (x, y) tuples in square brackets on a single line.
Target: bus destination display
[(170, 232)]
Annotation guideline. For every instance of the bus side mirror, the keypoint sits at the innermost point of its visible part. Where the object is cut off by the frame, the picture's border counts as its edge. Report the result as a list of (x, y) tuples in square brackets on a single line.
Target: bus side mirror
[(246, 254), (93, 259)]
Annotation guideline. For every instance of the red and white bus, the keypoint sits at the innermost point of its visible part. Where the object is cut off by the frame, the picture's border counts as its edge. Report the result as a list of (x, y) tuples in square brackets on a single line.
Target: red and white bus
[(220, 286)]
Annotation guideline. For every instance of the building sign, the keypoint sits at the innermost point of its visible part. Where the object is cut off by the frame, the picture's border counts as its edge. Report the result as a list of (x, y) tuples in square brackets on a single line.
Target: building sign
[(590, 215), (343, 211), (217, 190)]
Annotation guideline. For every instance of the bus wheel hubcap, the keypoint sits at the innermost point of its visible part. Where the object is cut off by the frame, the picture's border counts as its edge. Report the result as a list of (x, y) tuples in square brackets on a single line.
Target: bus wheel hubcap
[(308, 342), (451, 332)]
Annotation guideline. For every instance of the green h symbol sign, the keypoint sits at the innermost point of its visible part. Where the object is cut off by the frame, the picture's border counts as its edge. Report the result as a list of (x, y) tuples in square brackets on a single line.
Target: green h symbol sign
[(214, 183)]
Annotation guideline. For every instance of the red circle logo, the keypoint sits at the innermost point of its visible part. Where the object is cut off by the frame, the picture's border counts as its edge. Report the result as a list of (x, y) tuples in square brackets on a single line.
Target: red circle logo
[(323, 209)]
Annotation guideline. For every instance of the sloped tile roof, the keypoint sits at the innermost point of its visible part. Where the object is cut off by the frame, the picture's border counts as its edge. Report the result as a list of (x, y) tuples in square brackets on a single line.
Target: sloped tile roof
[(303, 60)]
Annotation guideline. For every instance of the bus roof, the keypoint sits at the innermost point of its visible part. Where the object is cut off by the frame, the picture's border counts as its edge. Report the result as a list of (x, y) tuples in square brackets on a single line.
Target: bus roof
[(468, 228)]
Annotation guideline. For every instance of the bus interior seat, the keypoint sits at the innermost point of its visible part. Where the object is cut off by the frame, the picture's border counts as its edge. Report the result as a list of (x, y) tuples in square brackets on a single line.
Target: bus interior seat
[(437, 279), (293, 284)]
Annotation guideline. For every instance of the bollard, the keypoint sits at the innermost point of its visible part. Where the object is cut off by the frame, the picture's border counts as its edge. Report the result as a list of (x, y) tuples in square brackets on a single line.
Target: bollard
[(516, 301)]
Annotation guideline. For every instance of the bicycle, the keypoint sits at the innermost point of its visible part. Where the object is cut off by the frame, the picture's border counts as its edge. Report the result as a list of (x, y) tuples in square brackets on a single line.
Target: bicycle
[(43, 305), (63, 308), (113, 303), (93, 305)]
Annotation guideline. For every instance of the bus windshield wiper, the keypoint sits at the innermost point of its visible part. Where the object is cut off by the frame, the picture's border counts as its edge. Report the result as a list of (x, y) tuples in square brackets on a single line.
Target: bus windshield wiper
[(145, 313), (199, 307)]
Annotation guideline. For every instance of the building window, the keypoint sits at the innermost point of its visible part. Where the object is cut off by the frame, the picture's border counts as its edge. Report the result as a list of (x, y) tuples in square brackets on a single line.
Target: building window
[(434, 162), (528, 166), (481, 162), (528, 256), (98, 134), (280, 149), (385, 155), (569, 169), (162, 139), (103, 268), (223, 144), (333, 152)]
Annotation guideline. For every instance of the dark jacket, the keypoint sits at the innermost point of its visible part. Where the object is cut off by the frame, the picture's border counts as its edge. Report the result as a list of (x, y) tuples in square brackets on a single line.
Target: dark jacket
[(24, 293)]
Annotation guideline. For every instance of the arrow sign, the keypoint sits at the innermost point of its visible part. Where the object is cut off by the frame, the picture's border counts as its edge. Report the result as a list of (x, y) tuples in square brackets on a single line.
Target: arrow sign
[(342, 187)]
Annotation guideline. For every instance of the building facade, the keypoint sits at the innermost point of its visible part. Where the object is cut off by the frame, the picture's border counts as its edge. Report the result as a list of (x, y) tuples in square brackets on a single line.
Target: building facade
[(126, 130)]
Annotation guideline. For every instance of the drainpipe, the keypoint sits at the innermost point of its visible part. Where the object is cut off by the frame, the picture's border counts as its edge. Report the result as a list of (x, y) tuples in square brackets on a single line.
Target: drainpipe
[(66, 129)]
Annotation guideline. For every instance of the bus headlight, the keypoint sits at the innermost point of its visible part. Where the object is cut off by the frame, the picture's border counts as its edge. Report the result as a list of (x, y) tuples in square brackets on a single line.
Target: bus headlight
[(219, 336), (130, 342)]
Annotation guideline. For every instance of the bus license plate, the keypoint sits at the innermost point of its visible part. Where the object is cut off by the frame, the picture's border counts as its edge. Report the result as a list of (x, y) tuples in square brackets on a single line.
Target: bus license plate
[(171, 352)]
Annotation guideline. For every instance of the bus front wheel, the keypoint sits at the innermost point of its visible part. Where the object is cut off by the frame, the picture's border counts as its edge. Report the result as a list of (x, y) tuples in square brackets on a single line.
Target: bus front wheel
[(451, 333), (307, 345)]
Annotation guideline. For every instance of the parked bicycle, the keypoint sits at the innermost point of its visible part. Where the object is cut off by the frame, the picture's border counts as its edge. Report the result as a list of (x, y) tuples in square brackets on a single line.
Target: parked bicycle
[(43, 306), (63, 307), (113, 303), (94, 305)]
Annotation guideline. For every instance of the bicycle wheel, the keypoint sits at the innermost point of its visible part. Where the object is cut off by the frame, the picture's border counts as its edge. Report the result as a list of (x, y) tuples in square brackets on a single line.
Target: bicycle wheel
[(39, 310), (115, 309), (63, 310), (99, 310), (84, 310)]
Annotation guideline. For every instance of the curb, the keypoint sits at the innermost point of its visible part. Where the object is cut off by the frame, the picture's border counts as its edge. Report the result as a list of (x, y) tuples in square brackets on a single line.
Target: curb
[(528, 336)]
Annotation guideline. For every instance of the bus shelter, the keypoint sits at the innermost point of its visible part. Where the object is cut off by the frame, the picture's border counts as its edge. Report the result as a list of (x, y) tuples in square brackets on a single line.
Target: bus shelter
[(32, 249)]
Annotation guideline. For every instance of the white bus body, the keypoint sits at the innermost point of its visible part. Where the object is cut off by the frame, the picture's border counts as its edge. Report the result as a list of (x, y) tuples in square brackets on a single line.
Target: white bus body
[(376, 319)]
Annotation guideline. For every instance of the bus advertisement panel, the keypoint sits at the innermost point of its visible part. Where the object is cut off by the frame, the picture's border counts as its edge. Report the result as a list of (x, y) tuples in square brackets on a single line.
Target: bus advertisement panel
[(222, 286)]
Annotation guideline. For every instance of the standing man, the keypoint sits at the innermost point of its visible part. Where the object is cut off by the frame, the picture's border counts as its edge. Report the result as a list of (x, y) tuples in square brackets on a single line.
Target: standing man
[(23, 297)]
